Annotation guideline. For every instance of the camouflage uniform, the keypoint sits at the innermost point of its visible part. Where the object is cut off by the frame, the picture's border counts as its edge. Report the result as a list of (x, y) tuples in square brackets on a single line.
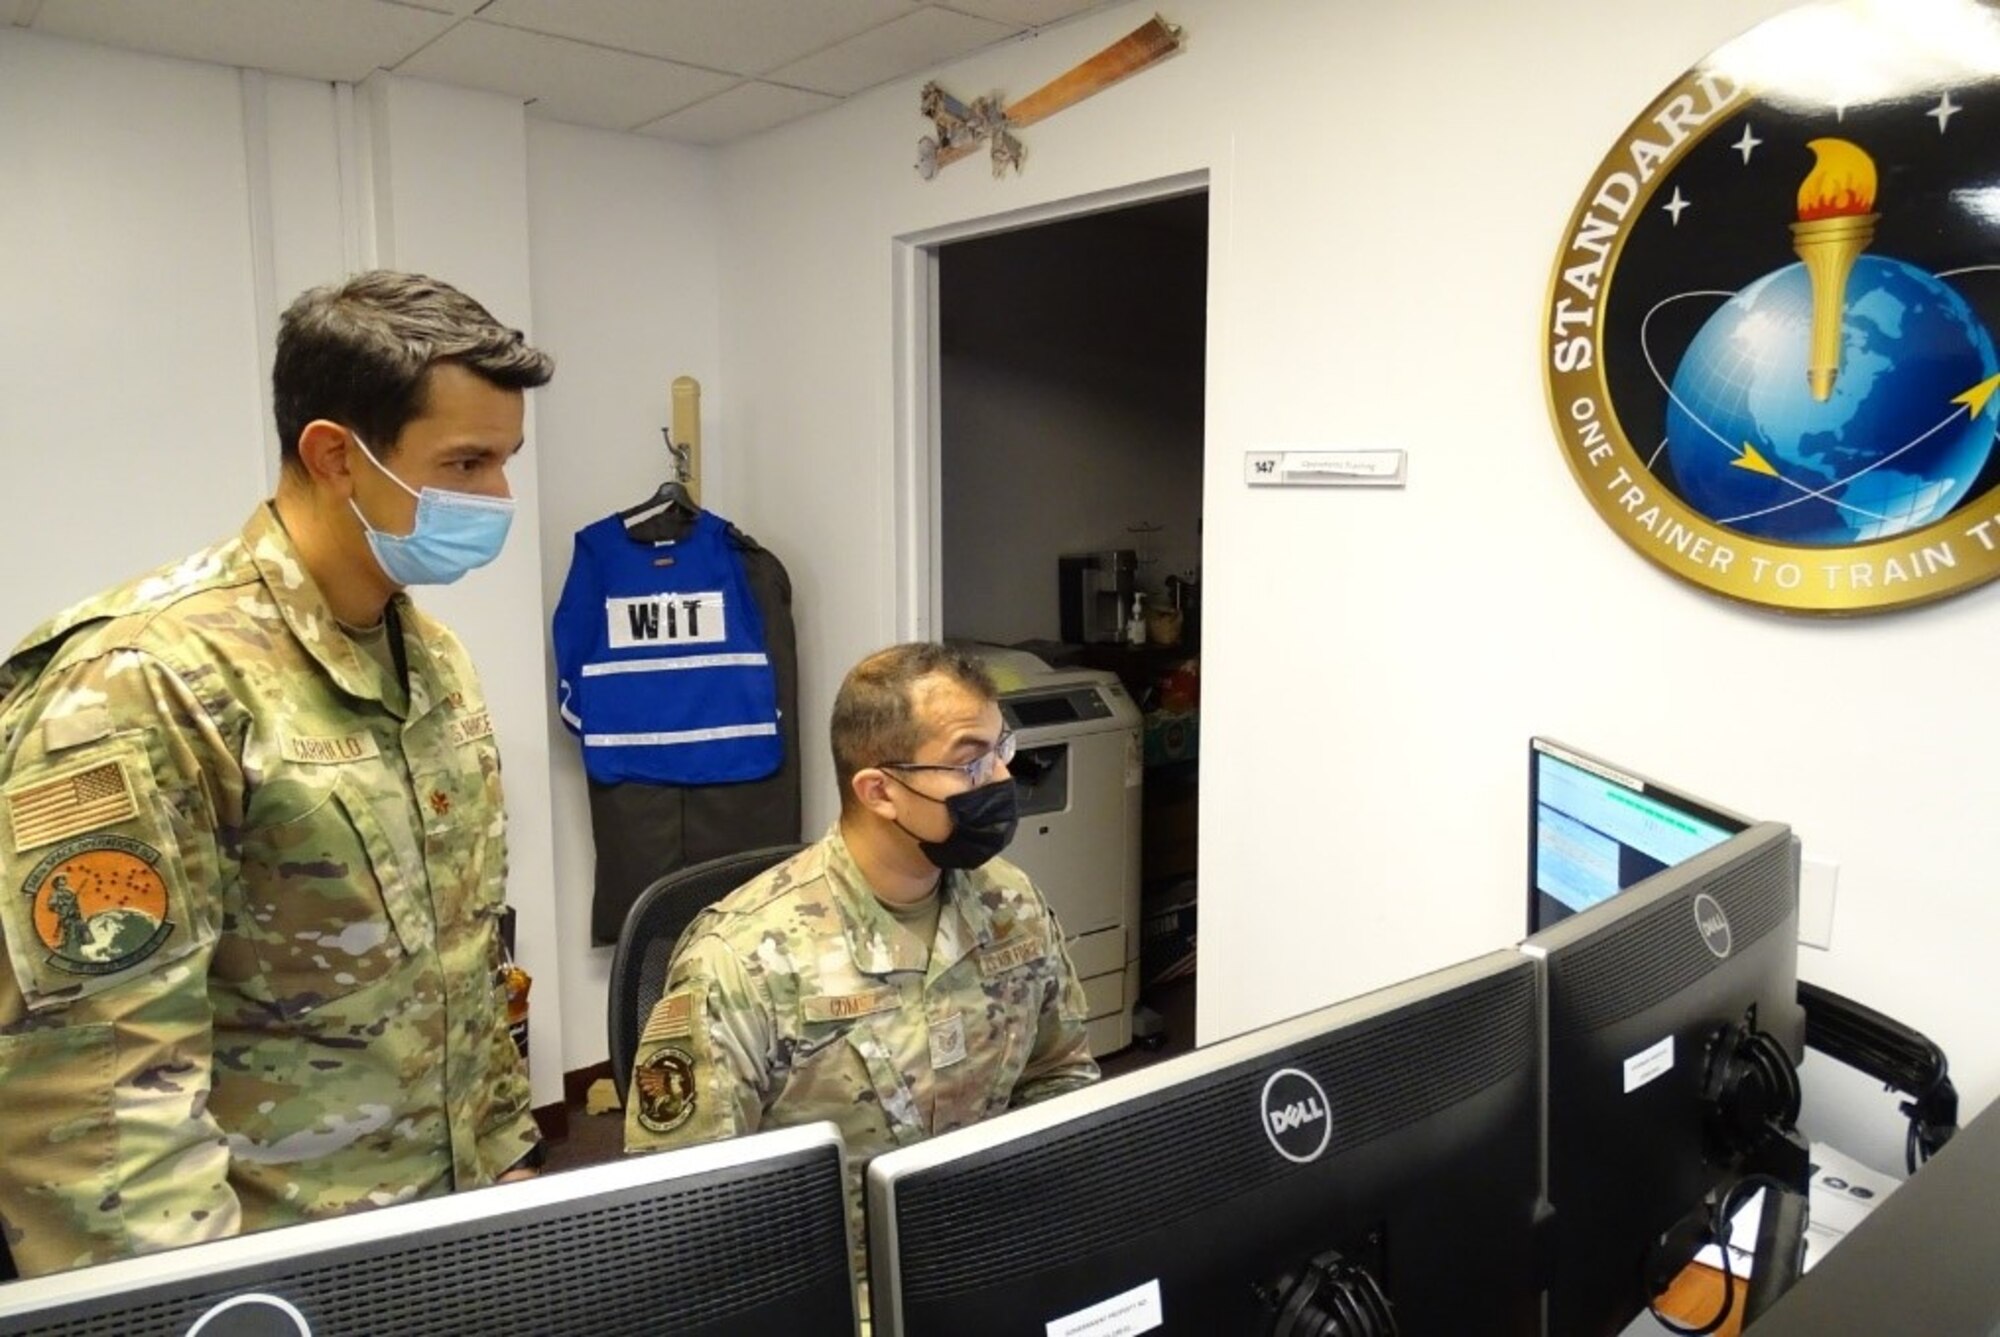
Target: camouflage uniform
[(795, 999), (250, 917)]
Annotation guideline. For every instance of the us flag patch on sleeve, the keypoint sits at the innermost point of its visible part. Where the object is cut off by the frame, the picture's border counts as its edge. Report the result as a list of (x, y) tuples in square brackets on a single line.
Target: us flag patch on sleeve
[(672, 1019), (70, 805)]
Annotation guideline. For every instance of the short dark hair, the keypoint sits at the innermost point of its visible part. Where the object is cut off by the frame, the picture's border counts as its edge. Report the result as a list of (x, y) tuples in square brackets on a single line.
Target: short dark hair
[(875, 713), (359, 353)]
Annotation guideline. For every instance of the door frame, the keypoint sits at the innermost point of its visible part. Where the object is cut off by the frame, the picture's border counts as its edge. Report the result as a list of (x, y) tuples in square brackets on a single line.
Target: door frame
[(919, 597)]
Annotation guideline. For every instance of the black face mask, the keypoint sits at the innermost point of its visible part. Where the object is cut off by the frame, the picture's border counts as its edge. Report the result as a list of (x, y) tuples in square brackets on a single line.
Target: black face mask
[(982, 824)]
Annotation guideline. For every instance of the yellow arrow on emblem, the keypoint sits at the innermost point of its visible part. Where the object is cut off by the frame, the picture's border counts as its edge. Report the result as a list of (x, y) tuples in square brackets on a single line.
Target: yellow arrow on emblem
[(1975, 398), (1756, 463)]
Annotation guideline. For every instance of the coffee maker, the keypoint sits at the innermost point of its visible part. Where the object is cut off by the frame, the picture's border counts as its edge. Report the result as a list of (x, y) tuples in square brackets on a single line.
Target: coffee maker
[(1095, 593)]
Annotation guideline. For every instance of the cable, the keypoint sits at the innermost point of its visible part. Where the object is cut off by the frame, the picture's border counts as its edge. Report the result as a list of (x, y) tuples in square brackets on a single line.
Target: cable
[(1720, 1235), (1718, 1231)]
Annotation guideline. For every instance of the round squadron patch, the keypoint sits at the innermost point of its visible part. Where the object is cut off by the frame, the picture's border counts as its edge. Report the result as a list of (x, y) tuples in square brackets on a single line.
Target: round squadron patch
[(100, 904), (664, 1085)]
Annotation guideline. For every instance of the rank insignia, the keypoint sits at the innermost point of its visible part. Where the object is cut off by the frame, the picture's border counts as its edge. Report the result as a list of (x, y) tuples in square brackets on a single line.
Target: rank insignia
[(947, 1035)]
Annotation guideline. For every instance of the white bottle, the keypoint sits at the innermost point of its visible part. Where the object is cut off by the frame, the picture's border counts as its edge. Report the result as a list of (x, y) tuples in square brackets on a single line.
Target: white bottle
[(1135, 630)]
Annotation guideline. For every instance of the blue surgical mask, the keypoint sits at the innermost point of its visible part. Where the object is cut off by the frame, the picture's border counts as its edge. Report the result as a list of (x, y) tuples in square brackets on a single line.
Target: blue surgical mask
[(456, 532)]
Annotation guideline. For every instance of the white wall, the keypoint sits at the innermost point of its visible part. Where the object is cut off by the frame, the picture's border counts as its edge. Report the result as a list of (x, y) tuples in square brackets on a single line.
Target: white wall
[(172, 208), (156, 206), (130, 425), (623, 234), (1388, 188)]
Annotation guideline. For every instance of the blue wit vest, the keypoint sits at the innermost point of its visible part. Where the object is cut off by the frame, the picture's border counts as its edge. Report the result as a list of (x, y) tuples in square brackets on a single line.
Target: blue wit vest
[(660, 659)]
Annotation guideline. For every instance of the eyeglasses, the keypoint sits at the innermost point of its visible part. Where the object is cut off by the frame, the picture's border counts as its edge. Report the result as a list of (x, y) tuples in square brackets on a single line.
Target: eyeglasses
[(977, 771)]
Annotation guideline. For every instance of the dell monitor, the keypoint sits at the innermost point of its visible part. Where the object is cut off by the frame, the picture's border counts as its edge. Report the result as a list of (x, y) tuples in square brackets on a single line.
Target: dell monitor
[(734, 1239), (1376, 1162), (1595, 829), (1674, 1035)]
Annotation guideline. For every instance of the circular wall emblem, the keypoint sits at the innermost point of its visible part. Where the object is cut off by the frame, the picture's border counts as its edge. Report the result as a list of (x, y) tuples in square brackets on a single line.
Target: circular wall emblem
[(1770, 334), (664, 1083), (1712, 924), (1295, 1115), (100, 904)]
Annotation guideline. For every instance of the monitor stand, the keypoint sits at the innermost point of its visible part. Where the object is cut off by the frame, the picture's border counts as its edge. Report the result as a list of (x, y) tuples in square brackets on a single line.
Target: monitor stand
[(1781, 1251), (1781, 1165), (1331, 1294)]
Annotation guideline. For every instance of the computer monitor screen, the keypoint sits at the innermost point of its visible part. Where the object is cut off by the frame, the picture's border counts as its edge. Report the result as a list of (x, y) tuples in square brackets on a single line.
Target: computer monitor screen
[(1596, 829), (1674, 1033), (744, 1238), (1391, 1141)]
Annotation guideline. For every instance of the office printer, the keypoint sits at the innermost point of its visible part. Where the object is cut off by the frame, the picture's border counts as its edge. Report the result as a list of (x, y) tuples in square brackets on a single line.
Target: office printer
[(1079, 767)]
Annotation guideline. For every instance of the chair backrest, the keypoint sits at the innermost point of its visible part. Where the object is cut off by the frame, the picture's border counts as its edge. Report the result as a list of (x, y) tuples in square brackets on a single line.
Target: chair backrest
[(646, 942)]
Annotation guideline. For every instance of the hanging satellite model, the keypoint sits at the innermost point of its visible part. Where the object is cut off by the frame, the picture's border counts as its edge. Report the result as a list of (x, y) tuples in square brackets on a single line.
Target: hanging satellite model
[(962, 127)]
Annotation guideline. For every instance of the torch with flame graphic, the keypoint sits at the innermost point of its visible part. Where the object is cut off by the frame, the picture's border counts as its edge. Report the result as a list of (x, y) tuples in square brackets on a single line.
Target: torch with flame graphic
[(1835, 225)]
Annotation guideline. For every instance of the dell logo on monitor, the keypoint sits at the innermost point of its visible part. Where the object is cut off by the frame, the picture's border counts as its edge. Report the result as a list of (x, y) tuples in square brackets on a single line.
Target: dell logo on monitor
[(1295, 1117), (1713, 924), (252, 1315)]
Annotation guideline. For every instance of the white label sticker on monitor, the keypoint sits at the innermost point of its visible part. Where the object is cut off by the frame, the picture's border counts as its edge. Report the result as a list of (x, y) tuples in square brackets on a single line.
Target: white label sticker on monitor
[(1650, 1062), (1136, 1311)]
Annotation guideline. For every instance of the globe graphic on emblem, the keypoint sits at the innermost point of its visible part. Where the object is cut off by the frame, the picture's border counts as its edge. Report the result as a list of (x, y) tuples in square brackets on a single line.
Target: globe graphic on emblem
[(117, 933), (1886, 452)]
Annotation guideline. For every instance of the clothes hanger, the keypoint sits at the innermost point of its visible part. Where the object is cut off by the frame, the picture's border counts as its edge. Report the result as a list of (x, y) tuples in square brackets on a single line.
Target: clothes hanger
[(670, 495)]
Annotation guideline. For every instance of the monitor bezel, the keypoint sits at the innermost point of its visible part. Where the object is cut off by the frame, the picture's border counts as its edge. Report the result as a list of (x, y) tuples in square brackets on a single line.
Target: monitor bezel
[(1639, 898), (887, 1170), (499, 1205), (1693, 805), (1628, 912)]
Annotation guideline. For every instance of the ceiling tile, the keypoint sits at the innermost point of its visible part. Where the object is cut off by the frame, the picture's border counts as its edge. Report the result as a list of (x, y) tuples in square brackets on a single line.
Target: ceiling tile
[(313, 39), (462, 8), (741, 36), (1033, 13), (743, 110), (568, 81), (911, 45)]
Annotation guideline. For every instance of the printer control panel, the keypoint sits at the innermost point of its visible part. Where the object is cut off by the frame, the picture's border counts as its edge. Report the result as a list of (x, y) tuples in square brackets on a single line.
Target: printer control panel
[(1071, 705)]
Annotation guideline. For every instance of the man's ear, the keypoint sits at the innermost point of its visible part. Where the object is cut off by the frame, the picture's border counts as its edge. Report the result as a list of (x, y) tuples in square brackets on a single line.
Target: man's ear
[(871, 789), (326, 451)]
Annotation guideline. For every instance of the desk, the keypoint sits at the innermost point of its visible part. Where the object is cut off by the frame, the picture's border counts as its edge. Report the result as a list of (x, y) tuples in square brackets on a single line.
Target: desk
[(1695, 1296), (1926, 1261)]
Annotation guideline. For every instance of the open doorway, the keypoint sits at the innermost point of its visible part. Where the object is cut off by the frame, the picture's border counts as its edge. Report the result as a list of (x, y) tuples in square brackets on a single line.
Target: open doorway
[(1068, 375)]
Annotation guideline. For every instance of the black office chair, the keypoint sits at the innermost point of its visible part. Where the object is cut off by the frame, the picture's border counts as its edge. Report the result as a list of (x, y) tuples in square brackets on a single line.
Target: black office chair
[(646, 942)]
